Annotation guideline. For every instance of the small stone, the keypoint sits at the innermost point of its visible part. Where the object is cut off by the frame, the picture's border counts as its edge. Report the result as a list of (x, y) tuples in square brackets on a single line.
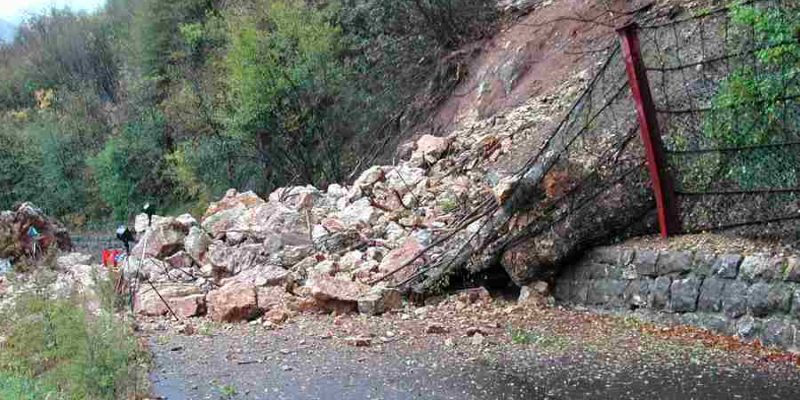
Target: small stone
[(359, 341), (473, 330), (435, 329), (277, 316), (504, 189), (188, 330), (379, 300), (637, 291), (747, 327), (478, 339), (474, 295)]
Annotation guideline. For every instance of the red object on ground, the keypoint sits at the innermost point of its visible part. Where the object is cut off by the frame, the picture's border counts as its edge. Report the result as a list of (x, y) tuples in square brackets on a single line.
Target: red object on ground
[(110, 257)]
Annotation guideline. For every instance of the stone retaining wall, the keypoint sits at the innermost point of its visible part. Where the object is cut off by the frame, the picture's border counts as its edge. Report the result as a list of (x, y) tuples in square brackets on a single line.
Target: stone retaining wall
[(753, 296)]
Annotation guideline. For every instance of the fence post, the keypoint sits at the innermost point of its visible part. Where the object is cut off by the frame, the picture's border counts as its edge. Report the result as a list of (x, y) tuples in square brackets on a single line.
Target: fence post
[(660, 177)]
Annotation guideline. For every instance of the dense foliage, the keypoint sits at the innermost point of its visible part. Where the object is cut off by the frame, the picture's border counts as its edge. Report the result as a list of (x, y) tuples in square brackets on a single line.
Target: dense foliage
[(756, 105), (54, 349), (173, 102)]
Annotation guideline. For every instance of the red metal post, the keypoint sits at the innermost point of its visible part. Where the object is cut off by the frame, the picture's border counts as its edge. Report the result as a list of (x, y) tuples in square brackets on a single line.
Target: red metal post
[(660, 177)]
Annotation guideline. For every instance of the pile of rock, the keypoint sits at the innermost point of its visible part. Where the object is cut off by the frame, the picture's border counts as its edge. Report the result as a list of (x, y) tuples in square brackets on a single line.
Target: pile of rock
[(15, 242), (342, 249), (70, 276), (306, 249)]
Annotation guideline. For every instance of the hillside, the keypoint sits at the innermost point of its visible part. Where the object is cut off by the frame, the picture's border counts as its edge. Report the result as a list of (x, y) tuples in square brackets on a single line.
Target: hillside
[(433, 199)]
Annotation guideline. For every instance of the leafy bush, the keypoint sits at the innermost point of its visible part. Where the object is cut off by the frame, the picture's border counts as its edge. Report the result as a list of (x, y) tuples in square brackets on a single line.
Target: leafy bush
[(130, 169), (54, 349), (750, 108), (177, 101)]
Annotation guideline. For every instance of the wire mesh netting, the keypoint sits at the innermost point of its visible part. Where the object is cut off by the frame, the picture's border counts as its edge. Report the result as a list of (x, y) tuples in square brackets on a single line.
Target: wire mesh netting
[(726, 89), (595, 146)]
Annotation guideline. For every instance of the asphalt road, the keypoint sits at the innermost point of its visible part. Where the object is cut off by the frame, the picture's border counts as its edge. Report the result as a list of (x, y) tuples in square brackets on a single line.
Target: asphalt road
[(311, 359)]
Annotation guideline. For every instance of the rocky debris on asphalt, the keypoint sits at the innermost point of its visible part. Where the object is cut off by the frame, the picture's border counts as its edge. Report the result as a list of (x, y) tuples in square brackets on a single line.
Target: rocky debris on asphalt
[(70, 275), (343, 249)]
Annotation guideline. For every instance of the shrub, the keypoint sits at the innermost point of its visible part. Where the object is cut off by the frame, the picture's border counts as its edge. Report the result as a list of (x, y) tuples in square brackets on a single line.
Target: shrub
[(54, 349), (750, 108), (131, 168)]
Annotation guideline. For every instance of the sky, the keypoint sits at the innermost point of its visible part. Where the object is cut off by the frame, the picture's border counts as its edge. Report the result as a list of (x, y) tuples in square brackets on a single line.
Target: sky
[(15, 10)]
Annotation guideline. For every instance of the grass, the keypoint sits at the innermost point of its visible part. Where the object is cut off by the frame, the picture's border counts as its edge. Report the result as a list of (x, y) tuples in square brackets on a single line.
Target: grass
[(21, 388), (544, 342), (55, 349), (227, 391)]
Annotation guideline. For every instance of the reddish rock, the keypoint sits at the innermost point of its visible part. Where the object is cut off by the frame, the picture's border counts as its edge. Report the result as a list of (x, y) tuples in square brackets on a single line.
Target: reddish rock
[(399, 256), (332, 224), (326, 288), (234, 199), (305, 201), (263, 275), (304, 305), (233, 302), (162, 239), (277, 316), (335, 295), (180, 260), (185, 300), (14, 225), (474, 295), (505, 188), (430, 149), (272, 297), (189, 306)]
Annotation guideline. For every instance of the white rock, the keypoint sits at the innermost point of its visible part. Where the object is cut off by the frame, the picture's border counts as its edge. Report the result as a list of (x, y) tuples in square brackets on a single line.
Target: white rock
[(359, 213), (186, 220)]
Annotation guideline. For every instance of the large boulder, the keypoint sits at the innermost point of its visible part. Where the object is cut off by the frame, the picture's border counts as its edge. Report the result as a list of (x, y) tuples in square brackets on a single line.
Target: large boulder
[(263, 275), (400, 256), (185, 300), (145, 268), (430, 149), (162, 239), (255, 221), (234, 302), (379, 300), (359, 214), (335, 294), (196, 244), (229, 261)]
